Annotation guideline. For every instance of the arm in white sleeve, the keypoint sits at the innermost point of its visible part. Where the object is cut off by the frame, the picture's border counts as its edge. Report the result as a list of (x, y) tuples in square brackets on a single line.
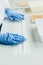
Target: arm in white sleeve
[(6, 4), (3, 5)]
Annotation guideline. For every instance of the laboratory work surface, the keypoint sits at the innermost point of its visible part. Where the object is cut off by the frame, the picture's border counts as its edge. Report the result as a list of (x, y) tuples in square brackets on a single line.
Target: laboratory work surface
[(28, 53)]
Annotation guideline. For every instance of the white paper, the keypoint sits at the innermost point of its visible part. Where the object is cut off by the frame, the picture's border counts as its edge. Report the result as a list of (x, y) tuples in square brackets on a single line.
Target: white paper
[(39, 24), (35, 3)]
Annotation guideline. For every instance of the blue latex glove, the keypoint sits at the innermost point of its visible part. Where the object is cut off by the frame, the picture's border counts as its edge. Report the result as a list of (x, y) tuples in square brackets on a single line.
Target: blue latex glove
[(13, 15), (11, 39)]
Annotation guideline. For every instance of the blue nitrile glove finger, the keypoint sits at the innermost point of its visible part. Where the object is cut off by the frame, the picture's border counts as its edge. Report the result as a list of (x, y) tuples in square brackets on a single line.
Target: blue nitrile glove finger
[(12, 18), (16, 17), (16, 38), (11, 39), (21, 14), (19, 17), (13, 15)]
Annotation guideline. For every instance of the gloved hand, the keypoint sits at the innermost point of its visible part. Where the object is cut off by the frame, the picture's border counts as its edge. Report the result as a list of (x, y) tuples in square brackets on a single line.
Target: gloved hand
[(13, 15), (11, 39)]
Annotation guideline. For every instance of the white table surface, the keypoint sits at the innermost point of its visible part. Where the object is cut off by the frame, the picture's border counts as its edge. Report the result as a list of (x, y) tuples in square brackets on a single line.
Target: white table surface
[(32, 52)]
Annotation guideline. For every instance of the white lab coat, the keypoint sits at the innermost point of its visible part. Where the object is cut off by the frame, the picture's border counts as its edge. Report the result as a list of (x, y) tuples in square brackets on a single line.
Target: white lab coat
[(11, 27)]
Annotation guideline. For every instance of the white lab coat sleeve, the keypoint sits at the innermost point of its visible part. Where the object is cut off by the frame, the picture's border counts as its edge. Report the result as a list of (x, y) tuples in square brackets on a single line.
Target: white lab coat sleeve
[(3, 4), (6, 4)]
